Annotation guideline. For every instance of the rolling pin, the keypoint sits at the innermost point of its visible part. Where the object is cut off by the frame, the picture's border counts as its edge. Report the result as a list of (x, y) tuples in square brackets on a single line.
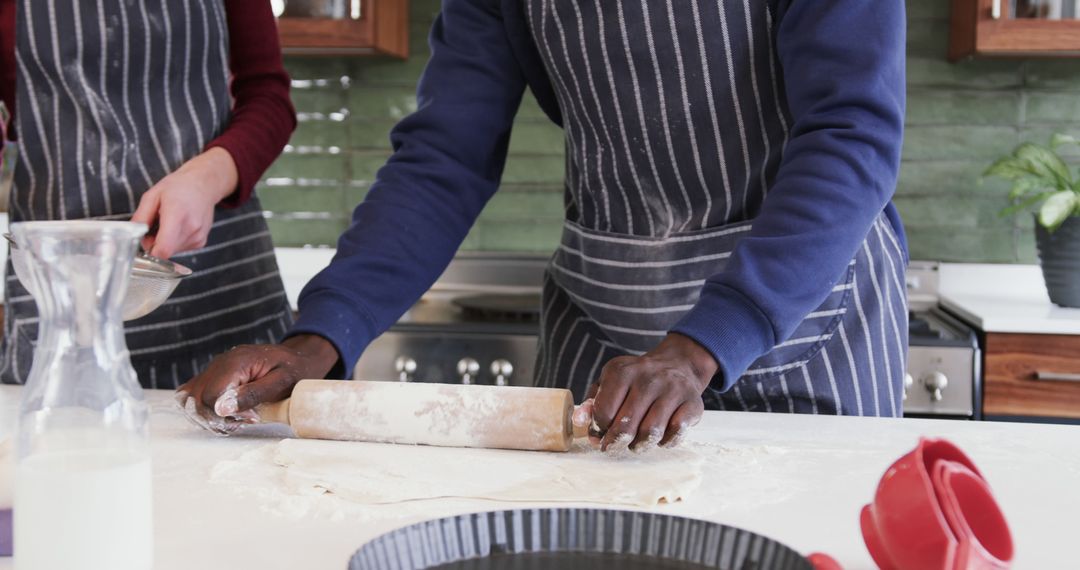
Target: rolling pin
[(496, 417)]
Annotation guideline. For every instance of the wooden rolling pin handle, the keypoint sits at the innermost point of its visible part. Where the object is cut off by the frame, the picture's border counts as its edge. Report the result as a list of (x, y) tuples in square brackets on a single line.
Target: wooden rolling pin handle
[(274, 412)]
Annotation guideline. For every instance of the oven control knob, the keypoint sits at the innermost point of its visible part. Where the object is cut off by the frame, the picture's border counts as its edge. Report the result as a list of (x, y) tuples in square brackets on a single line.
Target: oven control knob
[(405, 368), (501, 369), (935, 382), (908, 383), (467, 369)]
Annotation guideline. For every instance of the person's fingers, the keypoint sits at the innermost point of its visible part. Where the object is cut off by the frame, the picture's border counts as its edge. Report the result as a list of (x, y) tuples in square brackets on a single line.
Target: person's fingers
[(226, 372), (652, 427), (639, 398), (188, 391), (188, 406), (217, 425), (181, 395), (225, 405), (687, 416), (221, 378), (169, 237), (615, 381), (204, 411), (583, 414), (592, 428), (147, 210), (211, 399), (593, 388), (273, 387), (147, 213), (194, 389)]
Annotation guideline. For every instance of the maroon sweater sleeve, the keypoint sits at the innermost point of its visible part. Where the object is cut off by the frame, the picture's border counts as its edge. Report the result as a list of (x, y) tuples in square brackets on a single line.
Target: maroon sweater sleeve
[(263, 116), (7, 56)]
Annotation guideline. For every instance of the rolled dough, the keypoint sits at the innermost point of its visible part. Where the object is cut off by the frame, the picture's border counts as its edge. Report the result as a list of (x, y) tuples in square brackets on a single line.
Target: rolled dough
[(373, 473)]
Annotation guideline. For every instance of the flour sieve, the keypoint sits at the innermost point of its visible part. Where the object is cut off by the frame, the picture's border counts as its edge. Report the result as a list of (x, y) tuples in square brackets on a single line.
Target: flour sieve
[(152, 280)]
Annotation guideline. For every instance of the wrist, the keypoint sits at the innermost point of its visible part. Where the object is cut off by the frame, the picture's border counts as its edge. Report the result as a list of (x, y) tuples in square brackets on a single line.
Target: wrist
[(221, 173), (319, 354), (702, 363)]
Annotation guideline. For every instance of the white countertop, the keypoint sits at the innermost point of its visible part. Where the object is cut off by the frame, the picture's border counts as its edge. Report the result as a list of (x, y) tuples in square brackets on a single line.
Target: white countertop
[(1004, 299), (806, 491)]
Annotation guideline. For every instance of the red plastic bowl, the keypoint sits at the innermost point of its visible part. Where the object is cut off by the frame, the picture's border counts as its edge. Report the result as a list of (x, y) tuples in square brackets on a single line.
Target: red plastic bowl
[(945, 521), (974, 517)]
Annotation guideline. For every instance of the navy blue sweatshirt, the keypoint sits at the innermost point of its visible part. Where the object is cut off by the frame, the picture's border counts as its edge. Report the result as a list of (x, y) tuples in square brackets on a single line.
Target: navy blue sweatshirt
[(843, 70)]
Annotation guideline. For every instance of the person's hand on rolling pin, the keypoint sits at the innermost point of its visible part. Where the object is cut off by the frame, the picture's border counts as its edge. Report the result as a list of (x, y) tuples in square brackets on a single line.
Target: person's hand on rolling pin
[(224, 396), (183, 203), (648, 400)]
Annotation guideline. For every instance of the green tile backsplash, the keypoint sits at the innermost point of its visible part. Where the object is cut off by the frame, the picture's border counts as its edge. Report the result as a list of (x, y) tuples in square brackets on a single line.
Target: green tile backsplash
[(960, 117)]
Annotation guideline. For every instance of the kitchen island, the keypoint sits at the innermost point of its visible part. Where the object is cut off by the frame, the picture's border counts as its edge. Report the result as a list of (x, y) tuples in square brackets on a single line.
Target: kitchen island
[(798, 479), (1030, 346), (1000, 298)]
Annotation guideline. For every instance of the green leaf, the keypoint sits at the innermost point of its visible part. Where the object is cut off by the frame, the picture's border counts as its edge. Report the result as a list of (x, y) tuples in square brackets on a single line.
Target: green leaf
[(1057, 208), (1025, 204), (1023, 186), (1060, 140), (1044, 161), (1010, 168)]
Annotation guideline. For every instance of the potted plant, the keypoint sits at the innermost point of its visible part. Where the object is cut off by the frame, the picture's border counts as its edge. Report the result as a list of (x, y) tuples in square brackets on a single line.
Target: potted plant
[(1041, 178)]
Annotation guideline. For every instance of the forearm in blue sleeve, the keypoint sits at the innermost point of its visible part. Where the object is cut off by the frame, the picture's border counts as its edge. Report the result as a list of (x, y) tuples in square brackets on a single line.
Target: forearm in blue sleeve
[(447, 161), (843, 70)]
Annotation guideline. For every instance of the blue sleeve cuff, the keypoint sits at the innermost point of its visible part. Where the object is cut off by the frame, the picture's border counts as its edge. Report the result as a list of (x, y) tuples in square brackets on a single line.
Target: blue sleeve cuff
[(731, 328), (337, 319)]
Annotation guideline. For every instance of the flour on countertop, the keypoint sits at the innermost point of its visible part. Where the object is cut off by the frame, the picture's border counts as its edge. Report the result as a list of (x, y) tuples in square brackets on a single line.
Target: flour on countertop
[(300, 478)]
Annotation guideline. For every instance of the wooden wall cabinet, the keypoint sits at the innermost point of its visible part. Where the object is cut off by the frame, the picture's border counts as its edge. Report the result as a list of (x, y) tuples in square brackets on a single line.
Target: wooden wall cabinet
[(381, 28), (987, 28), (1032, 375)]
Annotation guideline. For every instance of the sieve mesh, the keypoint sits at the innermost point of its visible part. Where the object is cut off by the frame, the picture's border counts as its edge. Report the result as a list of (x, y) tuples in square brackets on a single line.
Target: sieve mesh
[(152, 281)]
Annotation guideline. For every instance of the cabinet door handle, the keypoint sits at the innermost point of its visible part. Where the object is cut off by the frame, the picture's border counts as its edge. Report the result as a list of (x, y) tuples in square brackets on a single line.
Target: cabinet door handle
[(995, 10), (1057, 376)]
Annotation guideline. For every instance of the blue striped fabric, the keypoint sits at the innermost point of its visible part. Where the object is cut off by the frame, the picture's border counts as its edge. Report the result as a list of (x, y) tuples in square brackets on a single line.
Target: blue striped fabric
[(847, 357), (674, 133)]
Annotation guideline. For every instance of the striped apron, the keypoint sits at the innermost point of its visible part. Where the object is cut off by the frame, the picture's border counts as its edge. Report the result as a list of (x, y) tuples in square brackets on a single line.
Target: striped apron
[(675, 124), (112, 96)]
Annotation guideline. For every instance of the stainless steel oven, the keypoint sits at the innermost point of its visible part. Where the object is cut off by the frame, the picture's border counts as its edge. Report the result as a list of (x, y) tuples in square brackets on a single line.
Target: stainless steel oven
[(944, 378), (477, 325)]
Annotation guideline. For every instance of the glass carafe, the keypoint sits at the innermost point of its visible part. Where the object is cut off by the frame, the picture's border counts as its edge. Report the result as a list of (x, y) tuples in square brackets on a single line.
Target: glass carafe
[(82, 482)]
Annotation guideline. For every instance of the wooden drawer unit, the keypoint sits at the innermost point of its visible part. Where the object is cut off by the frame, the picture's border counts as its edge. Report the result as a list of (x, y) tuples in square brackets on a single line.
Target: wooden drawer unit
[(1032, 375)]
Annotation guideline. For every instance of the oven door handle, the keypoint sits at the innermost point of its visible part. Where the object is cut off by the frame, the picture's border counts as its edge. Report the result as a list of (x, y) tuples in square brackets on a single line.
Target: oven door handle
[(1057, 376)]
